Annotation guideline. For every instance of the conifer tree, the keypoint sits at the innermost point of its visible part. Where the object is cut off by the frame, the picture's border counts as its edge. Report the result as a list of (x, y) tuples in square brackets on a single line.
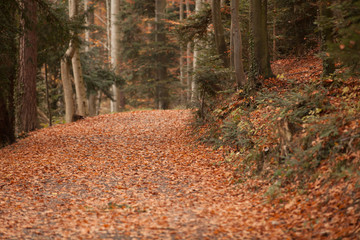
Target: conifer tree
[(26, 112)]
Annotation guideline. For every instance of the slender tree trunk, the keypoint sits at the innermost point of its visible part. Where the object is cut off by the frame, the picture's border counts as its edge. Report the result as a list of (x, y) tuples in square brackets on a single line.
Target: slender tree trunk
[(90, 20), (162, 92), (87, 24), (219, 32), (181, 60), (80, 89), (326, 36), (67, 86), (188, 60), (26, 89), (196, 54), (274, 33), (47, 94), (237, 43), (98, 107), (79, 84), (259, 50), (108, 28), (115, 59), (188, 71), (92, 104)]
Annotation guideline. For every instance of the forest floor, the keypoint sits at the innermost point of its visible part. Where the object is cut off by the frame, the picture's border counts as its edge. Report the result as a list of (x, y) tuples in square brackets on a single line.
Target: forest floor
[(135, 175), (130, 175), (142, 175)]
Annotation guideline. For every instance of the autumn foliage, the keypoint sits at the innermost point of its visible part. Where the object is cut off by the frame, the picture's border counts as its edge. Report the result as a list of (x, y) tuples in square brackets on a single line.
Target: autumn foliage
[(141, 175)]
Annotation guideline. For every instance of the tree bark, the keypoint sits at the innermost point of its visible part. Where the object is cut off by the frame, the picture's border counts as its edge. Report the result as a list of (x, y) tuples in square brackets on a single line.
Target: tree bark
[(188, 60), (196, 54), (92, 104), (181, 60), (119, 102), (108, 28), (81, 99), (67, 86), (90, 20), (219, 32), (326, 36), (87, 24), (47, 94), (80, 89), (259, 50), (26, 87), (162, 92), (237, 44), (274, 33)]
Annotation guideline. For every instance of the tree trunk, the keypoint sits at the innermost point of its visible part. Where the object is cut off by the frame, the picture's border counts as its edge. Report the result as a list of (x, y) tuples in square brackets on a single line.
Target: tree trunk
[(47, 94), (115, 59), (80, 89), (219, 32), (188, 60), (259, 50), (26, 88), (188, 71), (326, 36), (108, 29), (81, 99), (196, 54), (87, 24), (181, 60), (237, 44), (90, 20), (162, 92), (274, 34), (67, 86), (92, 104)]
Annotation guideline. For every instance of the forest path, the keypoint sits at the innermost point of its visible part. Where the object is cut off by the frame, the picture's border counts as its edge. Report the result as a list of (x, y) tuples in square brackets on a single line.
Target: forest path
[(134, 175)]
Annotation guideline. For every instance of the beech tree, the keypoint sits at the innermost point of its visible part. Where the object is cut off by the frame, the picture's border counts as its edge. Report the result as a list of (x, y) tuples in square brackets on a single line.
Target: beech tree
[(72, 54), (326, 36), (76, 65), (118, 102), (259, 50), (219, 32), (181, 59), (188, 59), (66, 81), (196, 55), (162, 94), (237, 44), (26, 111)]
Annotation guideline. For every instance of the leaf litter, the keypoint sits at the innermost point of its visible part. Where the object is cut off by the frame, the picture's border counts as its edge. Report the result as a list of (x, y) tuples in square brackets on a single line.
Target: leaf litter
[(137, 175)]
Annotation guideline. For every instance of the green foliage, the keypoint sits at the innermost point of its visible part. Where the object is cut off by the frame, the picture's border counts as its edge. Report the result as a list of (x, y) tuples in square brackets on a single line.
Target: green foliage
[(195, 26), (299, 104), (53, 34), (9, 29), (346, 22), (317, 134), (97, 76)]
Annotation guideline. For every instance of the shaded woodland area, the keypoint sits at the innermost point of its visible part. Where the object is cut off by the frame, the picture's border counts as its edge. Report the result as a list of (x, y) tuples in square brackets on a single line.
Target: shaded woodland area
[(272, 87), (63, 60)]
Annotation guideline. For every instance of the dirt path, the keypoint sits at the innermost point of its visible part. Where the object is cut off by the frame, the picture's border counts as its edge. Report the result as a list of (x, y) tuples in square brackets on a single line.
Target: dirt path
[(135, 175)]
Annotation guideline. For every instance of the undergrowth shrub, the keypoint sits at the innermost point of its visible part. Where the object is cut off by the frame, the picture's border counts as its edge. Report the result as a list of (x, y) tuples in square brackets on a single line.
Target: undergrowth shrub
[(288, 137)]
